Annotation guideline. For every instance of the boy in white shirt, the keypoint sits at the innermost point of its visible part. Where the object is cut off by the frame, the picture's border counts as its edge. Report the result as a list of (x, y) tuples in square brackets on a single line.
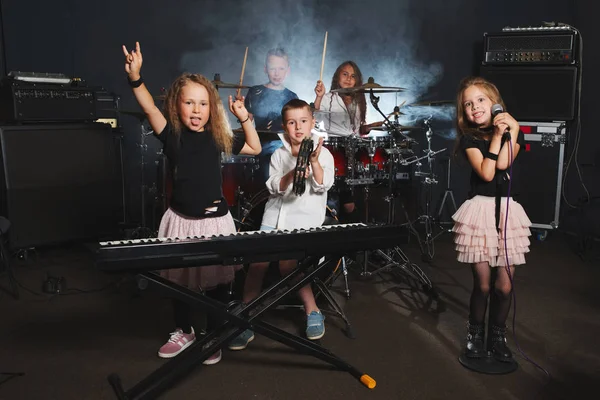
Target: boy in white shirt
[(286, 210)]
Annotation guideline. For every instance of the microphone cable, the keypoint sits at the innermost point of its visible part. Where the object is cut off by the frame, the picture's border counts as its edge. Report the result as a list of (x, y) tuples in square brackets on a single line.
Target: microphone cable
[(507, 267)]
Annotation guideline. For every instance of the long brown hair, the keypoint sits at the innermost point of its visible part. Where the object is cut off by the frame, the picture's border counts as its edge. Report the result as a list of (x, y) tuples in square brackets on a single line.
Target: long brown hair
[(217, 123), (358, 97), (463, 126)]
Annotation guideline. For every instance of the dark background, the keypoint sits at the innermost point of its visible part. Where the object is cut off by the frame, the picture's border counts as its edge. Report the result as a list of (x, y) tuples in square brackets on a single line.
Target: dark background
[(423, 46)]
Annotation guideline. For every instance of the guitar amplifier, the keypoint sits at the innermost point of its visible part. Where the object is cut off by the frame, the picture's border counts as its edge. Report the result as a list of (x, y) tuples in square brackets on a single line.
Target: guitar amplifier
[(531, 46), (24, 101)]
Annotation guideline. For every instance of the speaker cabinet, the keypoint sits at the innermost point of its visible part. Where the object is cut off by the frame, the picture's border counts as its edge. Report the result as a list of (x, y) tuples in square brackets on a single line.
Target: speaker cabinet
[(60, 183), (536, 93)]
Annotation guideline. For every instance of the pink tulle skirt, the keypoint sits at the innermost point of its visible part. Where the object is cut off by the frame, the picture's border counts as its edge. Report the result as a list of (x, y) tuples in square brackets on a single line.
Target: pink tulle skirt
[(477, 239), (205, 277)]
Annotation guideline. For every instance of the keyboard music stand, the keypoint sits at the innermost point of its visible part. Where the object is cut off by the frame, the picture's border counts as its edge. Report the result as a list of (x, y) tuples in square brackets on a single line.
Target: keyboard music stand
[(238, 318)]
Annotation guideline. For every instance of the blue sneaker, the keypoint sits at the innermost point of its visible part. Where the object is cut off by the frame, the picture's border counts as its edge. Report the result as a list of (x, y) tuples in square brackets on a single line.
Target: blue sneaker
[(242, 340), (315, 328)]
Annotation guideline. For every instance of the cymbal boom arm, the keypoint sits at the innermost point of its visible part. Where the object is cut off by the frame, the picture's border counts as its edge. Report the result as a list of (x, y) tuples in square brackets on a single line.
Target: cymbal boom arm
[(393, 127)]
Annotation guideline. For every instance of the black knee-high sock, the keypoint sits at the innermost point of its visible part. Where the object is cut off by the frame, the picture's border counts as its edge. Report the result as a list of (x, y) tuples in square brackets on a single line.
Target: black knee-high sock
[(221, 294), (182, 312)]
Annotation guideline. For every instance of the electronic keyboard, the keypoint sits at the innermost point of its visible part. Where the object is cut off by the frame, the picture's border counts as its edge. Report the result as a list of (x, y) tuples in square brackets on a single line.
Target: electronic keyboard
[(141, 255)]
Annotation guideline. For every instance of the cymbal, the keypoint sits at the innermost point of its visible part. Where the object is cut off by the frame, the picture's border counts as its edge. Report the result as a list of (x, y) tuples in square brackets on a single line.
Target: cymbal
[(223, 85), (434, 103), (396, 113), (400, 127), (218, 83), (369, 87)]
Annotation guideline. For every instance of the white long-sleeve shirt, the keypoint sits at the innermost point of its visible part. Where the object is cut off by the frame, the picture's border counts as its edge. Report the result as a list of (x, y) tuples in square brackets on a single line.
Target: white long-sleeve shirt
[(285, 209), (339, 121)]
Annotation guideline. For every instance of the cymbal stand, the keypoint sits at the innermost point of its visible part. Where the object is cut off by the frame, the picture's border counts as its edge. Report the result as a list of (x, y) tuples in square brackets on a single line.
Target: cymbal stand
[(448, 194), (429, 179), (393, 127), (394, 259)]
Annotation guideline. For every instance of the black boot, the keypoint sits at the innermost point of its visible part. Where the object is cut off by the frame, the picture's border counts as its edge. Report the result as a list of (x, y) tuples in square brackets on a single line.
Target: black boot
[(475, 339), (497, 343)]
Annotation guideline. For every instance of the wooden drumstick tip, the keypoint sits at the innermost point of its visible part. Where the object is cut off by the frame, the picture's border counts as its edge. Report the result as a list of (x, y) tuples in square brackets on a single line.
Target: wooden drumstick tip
[(368, 381), (239, 91)]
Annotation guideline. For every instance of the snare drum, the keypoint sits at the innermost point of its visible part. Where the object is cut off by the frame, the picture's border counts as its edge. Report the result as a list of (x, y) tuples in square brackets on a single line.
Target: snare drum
[(238, 175), (337, 147)]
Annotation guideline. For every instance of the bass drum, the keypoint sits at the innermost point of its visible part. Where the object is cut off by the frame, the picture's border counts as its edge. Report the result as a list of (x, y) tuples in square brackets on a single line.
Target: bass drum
[(253, 210), (238, 173), (337, 148)]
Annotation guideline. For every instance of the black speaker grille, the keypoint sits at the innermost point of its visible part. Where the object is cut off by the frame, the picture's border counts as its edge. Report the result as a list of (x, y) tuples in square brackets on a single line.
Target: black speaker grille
[(536, 93), (60, 182)]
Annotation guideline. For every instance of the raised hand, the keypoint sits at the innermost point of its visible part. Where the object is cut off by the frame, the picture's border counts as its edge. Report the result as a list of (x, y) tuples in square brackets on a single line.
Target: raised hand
[(320, 89), (314, 156), (238, 108), (133, 62)]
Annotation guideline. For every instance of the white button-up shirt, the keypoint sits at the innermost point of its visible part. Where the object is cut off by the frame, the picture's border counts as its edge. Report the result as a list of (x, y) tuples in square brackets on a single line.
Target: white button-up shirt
[(339, 121), (285, 209)]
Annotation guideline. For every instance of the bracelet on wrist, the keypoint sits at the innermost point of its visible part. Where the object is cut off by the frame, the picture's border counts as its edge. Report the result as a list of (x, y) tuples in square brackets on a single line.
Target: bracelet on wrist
[(246, 120), (135, 84), (491, 156)]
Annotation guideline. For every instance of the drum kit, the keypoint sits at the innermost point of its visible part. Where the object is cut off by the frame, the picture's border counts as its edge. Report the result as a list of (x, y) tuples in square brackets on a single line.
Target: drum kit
[(379, 157)]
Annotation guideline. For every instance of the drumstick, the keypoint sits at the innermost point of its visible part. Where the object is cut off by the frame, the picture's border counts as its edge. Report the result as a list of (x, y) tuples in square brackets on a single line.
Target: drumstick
[(242, 75), (323, 59)]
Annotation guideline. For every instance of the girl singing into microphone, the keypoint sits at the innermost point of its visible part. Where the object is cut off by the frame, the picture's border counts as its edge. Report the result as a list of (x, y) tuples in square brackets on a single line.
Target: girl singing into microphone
[(485, 236)]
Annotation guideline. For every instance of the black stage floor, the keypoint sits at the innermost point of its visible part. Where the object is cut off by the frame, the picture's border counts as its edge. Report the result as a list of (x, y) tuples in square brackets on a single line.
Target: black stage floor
[(66, 345)]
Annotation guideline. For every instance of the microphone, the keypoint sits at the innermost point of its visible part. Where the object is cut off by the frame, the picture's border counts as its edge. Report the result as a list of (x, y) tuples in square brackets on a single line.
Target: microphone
[(497, 109)]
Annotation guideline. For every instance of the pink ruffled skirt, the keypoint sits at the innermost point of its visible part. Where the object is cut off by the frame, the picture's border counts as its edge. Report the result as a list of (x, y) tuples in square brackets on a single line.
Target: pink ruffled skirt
[(173, 224), (477, 239)]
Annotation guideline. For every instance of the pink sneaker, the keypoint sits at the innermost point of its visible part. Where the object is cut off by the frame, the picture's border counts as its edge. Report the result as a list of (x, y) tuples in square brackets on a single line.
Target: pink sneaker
[(215, 358), (178, 342)]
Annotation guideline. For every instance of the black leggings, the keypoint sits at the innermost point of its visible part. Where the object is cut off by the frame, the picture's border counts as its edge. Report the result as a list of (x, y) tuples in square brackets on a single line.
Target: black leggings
[(182, 311)]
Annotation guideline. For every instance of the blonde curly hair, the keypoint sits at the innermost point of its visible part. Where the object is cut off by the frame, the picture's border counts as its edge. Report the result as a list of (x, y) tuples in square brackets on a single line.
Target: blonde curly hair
[(218, 124)]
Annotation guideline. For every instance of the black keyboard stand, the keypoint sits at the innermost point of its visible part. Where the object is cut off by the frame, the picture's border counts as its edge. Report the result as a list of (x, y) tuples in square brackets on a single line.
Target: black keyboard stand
[(238, 318), (321, 287)]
